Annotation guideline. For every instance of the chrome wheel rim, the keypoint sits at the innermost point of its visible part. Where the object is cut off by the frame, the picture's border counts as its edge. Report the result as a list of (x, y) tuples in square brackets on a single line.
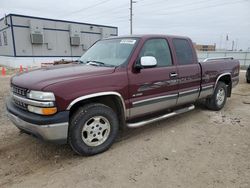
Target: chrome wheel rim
[(95, 131), (220, 97)]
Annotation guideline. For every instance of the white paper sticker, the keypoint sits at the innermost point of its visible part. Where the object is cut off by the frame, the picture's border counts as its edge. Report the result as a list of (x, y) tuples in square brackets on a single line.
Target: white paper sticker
[(127, 41)]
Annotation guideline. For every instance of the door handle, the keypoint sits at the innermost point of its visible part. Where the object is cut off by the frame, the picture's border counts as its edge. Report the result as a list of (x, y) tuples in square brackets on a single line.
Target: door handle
[(173, 74)]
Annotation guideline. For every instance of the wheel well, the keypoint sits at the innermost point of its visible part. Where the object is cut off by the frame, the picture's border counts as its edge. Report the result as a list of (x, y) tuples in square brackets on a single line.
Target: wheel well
[(112, 101), (227, 80)]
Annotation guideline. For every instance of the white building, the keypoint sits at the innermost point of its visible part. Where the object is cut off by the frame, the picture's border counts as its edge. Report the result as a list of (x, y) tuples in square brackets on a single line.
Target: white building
[(29, 41)]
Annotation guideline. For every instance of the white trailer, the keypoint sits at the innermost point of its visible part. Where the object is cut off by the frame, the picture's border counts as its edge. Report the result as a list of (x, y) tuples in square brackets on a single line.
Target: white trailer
[(29, 41)]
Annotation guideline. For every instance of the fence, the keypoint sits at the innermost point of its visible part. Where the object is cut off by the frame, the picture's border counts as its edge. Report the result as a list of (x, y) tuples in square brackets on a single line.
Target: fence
[(243, 57)]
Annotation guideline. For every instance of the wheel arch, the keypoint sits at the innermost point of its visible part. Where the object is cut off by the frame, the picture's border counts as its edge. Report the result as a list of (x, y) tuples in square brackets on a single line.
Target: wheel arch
[(227, 79), (112, 99)]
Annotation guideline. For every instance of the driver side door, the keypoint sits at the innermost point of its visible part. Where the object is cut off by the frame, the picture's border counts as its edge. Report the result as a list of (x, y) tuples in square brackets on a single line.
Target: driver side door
[(153, 88)]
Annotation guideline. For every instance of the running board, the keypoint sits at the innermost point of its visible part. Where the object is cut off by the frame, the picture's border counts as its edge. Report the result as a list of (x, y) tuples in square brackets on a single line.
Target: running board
[(165, 116)]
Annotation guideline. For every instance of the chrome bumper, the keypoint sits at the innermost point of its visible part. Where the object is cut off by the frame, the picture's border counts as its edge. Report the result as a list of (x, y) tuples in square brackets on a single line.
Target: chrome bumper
[(53, 132)]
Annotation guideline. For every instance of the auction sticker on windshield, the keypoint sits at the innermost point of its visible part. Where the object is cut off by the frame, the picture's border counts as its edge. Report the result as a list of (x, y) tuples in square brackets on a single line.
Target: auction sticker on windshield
[(127, 41)]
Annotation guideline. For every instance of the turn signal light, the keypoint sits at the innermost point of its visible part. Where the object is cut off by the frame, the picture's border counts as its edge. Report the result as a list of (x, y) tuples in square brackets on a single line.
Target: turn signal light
[(42, 111), (49, 111)]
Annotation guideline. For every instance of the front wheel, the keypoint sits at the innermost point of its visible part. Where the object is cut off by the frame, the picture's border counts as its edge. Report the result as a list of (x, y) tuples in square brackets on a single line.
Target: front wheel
[(217, 101), (93, 129)]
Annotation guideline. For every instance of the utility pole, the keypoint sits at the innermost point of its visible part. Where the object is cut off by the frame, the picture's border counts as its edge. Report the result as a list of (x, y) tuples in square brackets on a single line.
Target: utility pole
[(233, 45), (236, 44), (221, 36), (131, 16)]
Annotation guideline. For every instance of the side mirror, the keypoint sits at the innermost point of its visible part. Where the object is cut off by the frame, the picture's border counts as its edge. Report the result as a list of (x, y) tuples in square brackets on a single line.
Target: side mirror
[(148, 61)]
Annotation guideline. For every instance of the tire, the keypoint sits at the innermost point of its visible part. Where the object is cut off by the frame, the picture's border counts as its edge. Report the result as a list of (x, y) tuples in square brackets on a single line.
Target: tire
[(248, 81), (93, 129), (218, 100)]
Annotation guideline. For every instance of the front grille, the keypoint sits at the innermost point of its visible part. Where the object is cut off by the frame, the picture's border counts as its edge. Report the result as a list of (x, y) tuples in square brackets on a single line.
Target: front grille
[(19, 90), (20, 104)]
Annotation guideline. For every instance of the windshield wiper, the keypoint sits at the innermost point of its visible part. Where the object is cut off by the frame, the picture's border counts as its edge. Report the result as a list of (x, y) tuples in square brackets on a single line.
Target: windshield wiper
[(98, 63), (80, 61)]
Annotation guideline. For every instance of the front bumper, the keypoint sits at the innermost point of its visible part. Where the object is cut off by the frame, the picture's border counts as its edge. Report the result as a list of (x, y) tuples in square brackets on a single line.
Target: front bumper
[(52, 128)]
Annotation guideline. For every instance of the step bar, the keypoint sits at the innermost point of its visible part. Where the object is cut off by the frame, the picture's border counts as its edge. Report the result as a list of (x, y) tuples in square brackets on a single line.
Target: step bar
[(165, 116)]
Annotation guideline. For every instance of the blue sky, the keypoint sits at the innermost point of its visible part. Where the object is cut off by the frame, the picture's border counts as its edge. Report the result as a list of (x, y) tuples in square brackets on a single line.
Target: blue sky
[(205, 21)]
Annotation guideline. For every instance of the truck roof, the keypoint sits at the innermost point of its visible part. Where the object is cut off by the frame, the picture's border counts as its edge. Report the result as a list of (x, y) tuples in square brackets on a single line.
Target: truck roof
[(146, 36)]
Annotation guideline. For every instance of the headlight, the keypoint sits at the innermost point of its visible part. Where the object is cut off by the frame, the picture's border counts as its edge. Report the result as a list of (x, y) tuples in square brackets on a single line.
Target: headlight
[(41, 96), (42, 111)]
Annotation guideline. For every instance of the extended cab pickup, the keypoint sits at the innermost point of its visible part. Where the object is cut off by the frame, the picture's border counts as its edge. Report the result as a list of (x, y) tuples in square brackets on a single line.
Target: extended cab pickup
[(119, 82)]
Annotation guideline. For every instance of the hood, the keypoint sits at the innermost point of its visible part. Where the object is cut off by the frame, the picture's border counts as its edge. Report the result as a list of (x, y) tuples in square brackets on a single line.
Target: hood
[(40, 78)]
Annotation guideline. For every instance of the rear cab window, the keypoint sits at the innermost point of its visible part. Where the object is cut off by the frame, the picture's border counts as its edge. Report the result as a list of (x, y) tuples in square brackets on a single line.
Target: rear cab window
[(184, 52)]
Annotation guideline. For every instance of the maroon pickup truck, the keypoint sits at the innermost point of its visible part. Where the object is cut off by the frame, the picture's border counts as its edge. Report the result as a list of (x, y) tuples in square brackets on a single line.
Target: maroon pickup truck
[(119, 82)]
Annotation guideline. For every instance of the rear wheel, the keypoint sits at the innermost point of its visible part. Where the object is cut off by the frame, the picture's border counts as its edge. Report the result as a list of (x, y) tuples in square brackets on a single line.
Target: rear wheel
[(93, 129), (248, 81), (218, 99)]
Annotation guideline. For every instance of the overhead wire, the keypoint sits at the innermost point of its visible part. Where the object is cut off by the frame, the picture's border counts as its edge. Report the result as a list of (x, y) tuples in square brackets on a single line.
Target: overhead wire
[(85, 8), (147, 25), (180, 5), (113, 10), (200, 8), (118, 19), (151, 3)]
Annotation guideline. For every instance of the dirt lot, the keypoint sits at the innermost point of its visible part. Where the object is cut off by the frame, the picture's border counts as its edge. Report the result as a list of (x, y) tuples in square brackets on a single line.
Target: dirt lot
[(197, 149)]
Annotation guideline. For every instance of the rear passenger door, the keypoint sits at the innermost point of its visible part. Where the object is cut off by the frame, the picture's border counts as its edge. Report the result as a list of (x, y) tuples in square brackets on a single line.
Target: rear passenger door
[(188, 70), (153, 89)]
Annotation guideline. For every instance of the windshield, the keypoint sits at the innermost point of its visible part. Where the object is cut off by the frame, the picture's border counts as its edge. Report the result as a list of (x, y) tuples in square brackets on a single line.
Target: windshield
[(111, 52)]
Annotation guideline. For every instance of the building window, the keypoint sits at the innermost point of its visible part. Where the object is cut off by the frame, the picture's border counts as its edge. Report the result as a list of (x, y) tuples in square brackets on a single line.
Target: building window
[(5, 40)]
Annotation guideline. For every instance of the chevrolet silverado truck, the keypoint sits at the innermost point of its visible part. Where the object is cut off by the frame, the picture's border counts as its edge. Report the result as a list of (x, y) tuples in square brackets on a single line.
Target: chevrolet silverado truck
[(119, 82)]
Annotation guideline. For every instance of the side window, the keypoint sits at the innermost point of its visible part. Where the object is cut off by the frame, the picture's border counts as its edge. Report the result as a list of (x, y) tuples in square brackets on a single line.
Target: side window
[(183, 51), (159, 49)]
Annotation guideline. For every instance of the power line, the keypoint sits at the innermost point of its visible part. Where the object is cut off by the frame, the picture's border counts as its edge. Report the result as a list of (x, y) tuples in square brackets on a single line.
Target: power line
[(176, 24), (91, 6), (194, 9), (113, 10), (199, 8), (151, 3), (116, 21), (116, 18), (179, 6)]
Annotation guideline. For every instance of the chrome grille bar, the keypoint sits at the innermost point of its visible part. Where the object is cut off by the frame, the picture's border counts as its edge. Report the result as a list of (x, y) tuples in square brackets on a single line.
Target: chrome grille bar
[(32, 102)]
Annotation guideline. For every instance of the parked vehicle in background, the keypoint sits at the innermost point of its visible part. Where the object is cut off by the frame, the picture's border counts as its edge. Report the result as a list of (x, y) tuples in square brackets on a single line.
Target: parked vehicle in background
[(248, 74), (119, 82)]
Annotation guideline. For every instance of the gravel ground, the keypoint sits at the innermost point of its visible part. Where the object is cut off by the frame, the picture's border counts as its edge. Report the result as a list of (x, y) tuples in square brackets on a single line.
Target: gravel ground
[(197, 149)]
